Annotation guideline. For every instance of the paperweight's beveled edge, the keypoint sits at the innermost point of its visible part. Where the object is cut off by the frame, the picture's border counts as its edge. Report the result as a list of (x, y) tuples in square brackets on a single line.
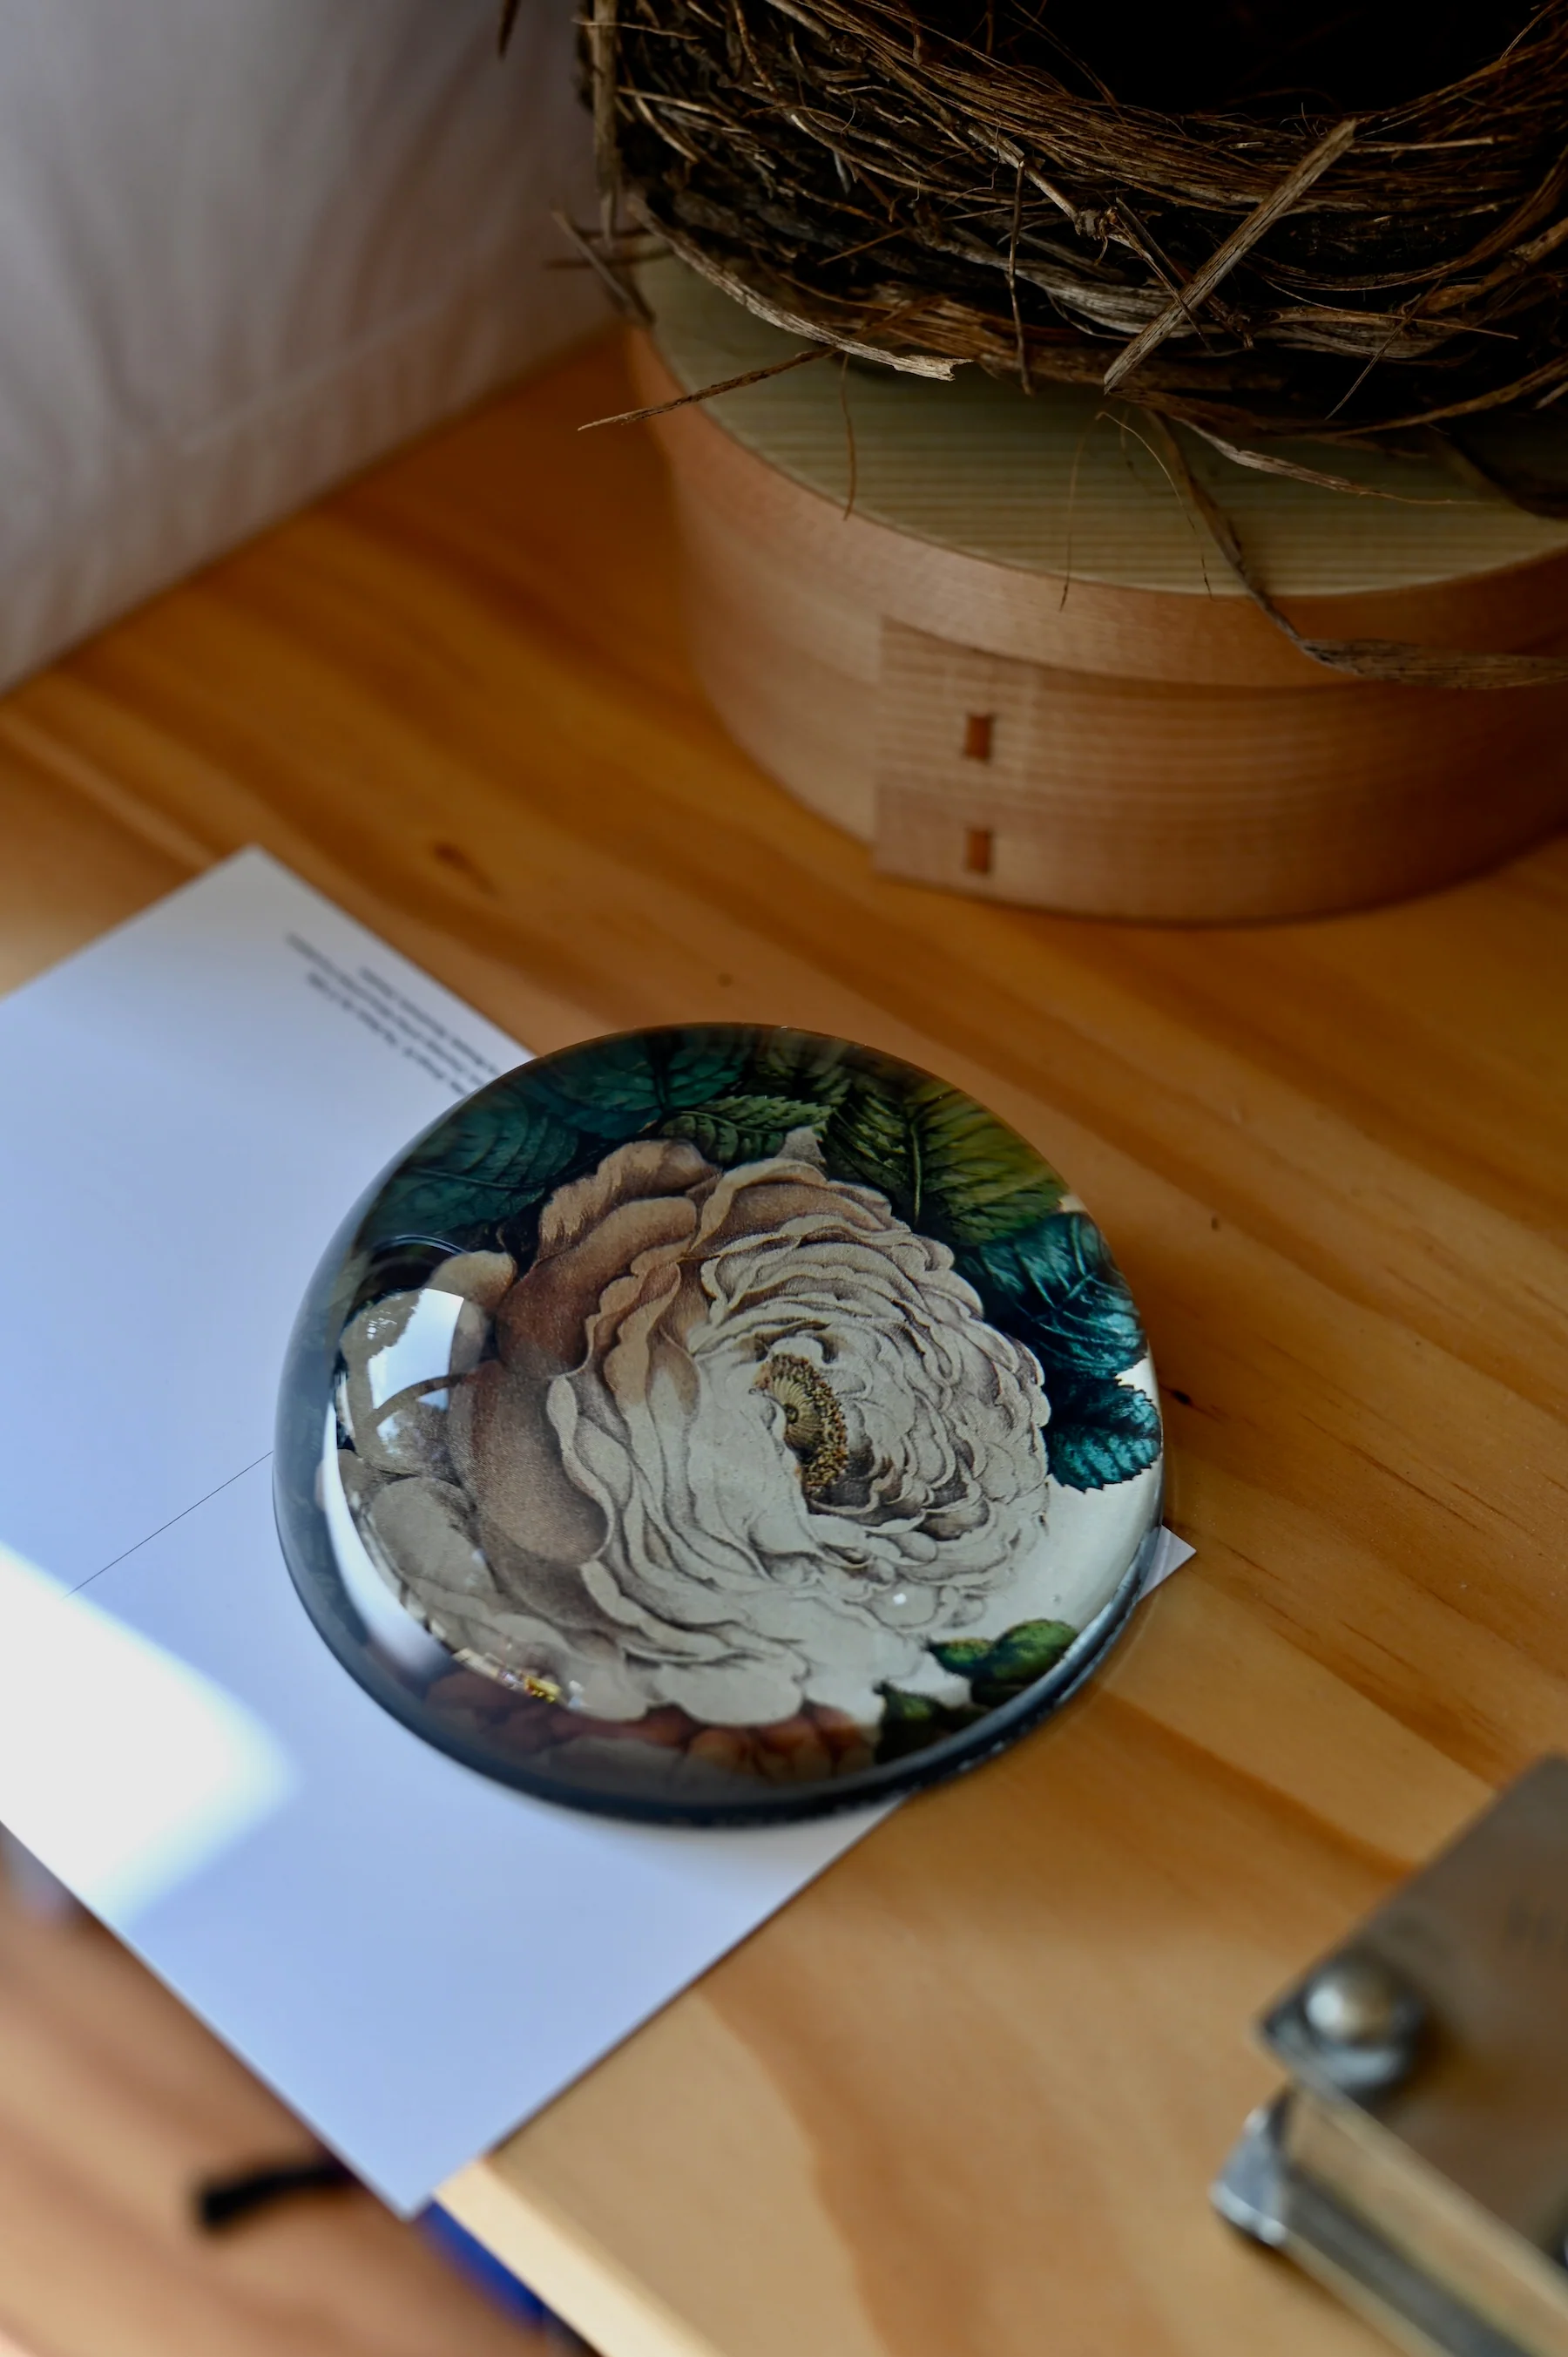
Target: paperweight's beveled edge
[(775, 1804), (335, 1281)]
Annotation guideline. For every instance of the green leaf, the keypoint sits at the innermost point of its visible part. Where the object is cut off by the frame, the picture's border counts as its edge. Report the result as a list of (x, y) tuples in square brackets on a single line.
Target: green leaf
[(912, 1722), (998, 1668), (946, 1165), (1055, 1286), (745, 1129), (798, 1064), (615, 1088), (903, 1709), (1102, 1432), (984, 1178), (490, 1159), (909, 1722), (868, 1139), (1028, 1651), (963, 1656)]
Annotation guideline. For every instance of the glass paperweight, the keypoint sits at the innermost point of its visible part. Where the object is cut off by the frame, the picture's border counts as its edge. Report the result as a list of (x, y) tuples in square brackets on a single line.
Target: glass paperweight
[(718, 1423)]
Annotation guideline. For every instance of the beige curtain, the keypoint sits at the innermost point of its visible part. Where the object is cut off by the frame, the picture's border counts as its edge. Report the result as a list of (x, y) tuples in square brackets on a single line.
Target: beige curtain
[(245, 246)]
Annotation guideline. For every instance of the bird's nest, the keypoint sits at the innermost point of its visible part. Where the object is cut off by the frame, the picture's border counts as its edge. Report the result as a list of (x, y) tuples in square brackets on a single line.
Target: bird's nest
[(1251, 221)]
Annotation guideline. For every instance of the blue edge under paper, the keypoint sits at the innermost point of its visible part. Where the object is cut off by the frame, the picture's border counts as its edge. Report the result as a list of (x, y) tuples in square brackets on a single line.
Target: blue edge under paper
[(481, 2267)]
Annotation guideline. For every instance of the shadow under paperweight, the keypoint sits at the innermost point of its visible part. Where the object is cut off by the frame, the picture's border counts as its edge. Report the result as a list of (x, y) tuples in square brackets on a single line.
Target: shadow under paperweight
[(718, 1423)]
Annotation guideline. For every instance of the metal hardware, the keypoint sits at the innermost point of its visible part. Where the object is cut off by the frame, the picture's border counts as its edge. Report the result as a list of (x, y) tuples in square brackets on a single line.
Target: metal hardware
[(1357, 2001), (1360, 2019), (1418, 2163), (1266, 2198)]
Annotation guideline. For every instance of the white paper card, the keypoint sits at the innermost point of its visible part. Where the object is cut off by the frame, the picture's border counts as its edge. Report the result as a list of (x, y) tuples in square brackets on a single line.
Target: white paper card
[(190, 1107), (415, 1957), (1170, 1554)]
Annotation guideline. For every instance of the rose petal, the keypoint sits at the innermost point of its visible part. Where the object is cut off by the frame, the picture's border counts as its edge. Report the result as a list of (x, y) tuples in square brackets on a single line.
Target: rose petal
[(480, 1276), (638, 1493), (548, 1311), (505, 1452), (649, 1167)]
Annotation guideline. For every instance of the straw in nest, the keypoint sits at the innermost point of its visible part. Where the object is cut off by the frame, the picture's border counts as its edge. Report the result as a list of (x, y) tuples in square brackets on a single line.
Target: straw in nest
[(871, 175), (1331, 229)]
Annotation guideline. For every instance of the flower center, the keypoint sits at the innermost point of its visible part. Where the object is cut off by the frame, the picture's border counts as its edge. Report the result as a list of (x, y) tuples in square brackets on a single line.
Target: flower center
[(813, 1421)]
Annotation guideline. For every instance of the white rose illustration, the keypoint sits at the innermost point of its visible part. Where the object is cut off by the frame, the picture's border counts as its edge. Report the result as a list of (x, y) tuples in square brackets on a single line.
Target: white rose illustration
[(745, 1444)]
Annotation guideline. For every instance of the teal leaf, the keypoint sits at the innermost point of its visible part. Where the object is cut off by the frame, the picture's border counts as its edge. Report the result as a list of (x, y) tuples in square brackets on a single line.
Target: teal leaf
[(1102, 1432), (698, 1064), (616, 1089), (1056, 1288), (744, 1129), (946, 1165), (493, 1158)]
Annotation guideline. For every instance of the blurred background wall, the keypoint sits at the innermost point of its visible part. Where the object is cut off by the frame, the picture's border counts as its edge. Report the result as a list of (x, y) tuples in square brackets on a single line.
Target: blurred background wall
[(245, 245)]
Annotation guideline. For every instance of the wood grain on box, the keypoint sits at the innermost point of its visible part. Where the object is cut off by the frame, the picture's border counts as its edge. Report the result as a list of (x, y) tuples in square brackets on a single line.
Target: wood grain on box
[(858, 546)]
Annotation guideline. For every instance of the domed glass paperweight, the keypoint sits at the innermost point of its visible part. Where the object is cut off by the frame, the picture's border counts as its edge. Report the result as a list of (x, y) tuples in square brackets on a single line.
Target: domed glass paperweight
[(718, 1423)]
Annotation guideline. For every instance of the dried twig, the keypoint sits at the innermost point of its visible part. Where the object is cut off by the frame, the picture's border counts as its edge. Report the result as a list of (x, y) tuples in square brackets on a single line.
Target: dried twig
[(1388, 659), (1240, 241), (622, 289), (1269, 462), (852, 456), (709, 392)]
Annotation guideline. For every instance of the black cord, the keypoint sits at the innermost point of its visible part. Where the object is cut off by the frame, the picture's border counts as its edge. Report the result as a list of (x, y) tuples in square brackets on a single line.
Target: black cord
[(221, 2202)]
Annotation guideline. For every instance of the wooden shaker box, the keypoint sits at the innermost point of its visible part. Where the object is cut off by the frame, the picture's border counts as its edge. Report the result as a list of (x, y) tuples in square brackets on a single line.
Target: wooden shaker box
[(1014, 664)]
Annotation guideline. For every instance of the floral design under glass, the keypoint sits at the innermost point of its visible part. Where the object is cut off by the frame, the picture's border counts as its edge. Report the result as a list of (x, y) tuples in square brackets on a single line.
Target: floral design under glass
[(719, 1422)]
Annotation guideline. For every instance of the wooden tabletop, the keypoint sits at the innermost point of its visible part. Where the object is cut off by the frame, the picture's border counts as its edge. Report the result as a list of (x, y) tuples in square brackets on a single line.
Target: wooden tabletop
[(966, 2093), (115, 2105)]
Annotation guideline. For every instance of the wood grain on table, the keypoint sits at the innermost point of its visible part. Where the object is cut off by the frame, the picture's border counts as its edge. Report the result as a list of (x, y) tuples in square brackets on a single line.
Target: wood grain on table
[(967, 2092), (113, 2103)]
